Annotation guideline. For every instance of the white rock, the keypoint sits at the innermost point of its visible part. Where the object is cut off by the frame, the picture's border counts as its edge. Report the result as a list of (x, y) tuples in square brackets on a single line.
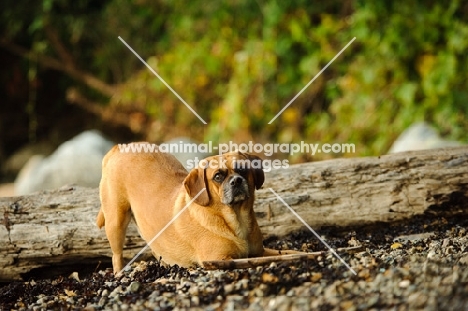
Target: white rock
[(420, 136), (404, 284), (77, 161)]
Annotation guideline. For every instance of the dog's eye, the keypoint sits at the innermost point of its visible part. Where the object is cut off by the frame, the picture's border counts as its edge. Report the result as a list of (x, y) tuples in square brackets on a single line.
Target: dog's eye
[(218, 177)]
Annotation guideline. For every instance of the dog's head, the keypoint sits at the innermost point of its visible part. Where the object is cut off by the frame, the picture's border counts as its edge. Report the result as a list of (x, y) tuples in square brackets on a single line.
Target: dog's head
[(230, 179)]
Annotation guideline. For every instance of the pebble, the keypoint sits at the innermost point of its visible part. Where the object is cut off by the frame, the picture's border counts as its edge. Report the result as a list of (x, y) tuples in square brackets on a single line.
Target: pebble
[(195, 300), (373, 300), (228, 288), (446, 243), (135, 287), (431, 254), (417, 300), (282, 303), (404, 284), (429, 271), (414, 237), (102, 301), (116, 292)]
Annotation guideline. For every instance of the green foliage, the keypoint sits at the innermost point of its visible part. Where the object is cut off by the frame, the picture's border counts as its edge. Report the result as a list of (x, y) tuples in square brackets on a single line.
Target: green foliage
[(238, 62), (407, 70)]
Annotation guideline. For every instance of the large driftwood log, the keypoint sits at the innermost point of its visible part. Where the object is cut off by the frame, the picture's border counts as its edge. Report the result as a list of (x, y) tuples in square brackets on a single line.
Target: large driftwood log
[(56, 229), (360, 191)]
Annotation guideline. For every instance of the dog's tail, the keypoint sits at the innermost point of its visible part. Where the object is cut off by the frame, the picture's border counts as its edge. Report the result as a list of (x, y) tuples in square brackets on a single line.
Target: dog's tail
[(100, 219)]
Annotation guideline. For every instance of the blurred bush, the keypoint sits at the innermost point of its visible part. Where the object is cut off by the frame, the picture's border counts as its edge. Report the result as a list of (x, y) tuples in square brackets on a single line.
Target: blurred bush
[(238, 62)]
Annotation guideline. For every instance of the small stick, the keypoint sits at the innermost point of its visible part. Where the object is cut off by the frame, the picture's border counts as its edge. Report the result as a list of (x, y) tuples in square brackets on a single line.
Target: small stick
[(243, 263)]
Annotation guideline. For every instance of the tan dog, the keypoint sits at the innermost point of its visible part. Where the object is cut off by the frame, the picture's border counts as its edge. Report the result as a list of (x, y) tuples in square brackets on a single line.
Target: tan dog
[(153, 187)]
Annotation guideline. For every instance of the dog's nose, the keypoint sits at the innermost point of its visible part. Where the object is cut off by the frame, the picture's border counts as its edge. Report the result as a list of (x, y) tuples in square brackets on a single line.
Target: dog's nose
[(235, 181)]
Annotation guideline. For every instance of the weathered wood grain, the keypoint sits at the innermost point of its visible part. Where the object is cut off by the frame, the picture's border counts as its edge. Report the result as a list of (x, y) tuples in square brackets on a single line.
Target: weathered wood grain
[(359, 191), (56, 228)]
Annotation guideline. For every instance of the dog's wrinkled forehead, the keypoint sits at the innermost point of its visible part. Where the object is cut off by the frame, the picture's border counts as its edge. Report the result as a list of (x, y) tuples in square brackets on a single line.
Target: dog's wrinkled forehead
[(230, 161)]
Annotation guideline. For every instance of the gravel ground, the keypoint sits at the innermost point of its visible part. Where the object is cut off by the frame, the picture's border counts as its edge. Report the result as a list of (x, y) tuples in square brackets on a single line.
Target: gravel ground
[(417, 265)]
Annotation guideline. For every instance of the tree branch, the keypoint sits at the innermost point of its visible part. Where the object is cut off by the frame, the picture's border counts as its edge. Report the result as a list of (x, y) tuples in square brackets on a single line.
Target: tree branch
[(253, 262), (124, 119), (58, 46), (50, 62)]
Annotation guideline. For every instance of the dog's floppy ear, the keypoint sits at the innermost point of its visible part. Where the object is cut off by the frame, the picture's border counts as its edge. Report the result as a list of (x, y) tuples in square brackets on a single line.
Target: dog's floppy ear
[(194, 183), (256, 166)]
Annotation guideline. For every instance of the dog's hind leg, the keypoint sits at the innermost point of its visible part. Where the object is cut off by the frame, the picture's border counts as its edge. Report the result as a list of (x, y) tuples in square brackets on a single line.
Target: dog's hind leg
[(117, 215), (115, 231)]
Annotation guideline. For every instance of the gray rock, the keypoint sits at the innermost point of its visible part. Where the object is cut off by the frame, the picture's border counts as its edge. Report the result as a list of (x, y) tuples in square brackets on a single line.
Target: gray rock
[(77, 161), (18, 160), (420, 136)]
